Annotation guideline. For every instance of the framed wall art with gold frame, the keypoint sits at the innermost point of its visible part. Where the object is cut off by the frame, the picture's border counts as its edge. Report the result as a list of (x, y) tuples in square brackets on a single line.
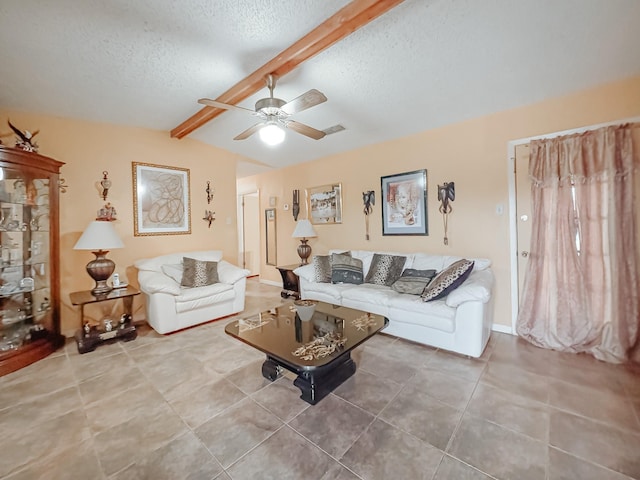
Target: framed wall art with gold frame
[(324, 204), (160, 200)]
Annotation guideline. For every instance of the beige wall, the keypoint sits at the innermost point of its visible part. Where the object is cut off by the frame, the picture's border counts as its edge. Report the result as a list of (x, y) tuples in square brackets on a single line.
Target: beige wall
[(473, 154), (88, 149)]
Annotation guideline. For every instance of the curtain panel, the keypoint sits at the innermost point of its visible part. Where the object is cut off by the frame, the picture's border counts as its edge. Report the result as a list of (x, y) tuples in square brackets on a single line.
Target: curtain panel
[(581, 286)]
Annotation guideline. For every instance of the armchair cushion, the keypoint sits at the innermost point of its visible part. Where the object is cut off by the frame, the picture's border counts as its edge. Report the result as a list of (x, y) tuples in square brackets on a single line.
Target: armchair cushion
[(229, 273), (151, 282), (174, 271)]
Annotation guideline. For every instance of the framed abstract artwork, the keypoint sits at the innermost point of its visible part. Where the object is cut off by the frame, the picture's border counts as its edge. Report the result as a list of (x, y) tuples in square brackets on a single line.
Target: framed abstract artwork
[(160, 200), (404, 203), (324, 204)]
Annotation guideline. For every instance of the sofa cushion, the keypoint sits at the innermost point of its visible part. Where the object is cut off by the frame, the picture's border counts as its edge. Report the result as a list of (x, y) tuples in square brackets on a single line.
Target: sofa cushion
[(198, 273), (369, 293), (412, 310), (322, 268), (346, 269), (385, 269), (413, 281), (447, 280)]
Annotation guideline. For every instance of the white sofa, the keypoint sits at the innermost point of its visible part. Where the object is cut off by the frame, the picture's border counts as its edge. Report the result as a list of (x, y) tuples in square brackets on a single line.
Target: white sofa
[(460, 322), (171, 307)]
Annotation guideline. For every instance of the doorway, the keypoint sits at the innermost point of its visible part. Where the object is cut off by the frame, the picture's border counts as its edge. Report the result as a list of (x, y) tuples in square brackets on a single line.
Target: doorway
[(249, 232)]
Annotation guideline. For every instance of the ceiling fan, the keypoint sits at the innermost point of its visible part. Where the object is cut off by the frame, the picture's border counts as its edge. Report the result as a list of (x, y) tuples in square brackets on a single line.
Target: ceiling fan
[(275, 113)]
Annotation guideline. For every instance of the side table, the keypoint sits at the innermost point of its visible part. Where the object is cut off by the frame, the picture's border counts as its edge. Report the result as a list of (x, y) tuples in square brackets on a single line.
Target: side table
[(290, 287), (89, 337)]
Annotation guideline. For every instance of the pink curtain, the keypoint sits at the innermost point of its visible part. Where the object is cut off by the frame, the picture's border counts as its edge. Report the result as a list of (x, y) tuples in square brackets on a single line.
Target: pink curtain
[(581, 286)]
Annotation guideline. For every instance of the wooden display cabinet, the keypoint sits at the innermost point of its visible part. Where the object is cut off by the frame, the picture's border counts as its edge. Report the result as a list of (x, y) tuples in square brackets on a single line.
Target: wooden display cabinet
[(29, 258)]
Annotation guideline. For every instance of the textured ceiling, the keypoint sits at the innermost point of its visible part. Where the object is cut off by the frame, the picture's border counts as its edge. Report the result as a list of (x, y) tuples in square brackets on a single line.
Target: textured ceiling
[(423, 64)]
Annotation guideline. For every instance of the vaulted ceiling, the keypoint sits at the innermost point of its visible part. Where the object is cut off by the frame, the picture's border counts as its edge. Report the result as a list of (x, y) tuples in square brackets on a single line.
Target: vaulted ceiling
[(420, 65)]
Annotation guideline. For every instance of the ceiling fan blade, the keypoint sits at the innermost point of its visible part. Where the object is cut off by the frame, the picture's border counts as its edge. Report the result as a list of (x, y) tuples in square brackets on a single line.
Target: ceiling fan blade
[(305, 129), (334, 129), (226, 106), (249, 131), (307, 100)]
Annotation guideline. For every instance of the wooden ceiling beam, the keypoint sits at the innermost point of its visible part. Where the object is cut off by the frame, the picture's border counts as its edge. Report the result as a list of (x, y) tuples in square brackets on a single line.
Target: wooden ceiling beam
[(344, 22)]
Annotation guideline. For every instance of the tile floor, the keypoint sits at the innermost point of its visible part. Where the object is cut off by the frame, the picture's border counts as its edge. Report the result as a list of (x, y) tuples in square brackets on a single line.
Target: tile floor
[(193, 405)]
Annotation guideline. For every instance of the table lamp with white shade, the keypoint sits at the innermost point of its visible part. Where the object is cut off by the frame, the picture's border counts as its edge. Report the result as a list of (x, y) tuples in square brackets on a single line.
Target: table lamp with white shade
[(303, 231), (99, 237)]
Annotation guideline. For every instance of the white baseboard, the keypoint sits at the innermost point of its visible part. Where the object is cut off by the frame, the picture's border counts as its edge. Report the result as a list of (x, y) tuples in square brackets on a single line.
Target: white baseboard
[(496, 327), (271, 282)]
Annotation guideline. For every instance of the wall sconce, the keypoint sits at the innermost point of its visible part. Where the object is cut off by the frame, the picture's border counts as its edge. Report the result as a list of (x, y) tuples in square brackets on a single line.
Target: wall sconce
[(105, 183), (209, 216), (209, 191), (446, 193), (296, 204), (369, 199)]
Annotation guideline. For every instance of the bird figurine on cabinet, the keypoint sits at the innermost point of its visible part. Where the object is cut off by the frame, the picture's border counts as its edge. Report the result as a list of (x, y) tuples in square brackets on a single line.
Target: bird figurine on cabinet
[(24, 140)]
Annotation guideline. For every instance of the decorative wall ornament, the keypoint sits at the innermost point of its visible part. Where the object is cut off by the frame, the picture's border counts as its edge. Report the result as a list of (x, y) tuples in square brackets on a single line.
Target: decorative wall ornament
[(296, 204), (62, 185), (446, 194), (105, 184), (210, 192), (209, 216), (107, 213), (369, 199)]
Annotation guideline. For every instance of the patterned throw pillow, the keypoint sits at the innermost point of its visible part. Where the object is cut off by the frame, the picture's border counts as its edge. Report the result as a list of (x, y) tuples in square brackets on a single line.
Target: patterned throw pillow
[(385, 269), (198, 273), (413, 281), (346, 269), (322, 268), (447, 280)]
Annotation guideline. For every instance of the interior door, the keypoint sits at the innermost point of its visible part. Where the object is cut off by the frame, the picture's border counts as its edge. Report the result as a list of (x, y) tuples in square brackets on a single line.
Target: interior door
[(523, 211)]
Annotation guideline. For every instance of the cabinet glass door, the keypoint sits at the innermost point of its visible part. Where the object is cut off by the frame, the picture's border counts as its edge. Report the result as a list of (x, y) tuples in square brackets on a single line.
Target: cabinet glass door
[(25, 313)]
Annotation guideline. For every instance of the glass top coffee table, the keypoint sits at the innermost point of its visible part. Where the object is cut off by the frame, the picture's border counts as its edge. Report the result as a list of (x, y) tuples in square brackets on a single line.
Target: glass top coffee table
[(311, 339)]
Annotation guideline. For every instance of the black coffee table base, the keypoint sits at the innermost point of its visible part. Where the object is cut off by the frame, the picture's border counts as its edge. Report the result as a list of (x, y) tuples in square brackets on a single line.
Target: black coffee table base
[(315, 383)]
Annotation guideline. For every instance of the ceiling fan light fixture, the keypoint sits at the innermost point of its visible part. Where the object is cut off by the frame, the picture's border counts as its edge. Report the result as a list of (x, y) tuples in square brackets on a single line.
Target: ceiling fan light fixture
[(272, 134)]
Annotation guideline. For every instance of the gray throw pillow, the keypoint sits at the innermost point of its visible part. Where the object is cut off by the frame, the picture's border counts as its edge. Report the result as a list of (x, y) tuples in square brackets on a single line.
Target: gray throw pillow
[(413, 281), (198, 273), (346, 269), (447, 280), (385, 269), (322, 268)]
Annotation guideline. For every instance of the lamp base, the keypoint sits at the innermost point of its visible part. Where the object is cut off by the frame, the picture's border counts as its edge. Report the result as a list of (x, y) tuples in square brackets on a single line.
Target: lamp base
[(100, 270), (304, 251)]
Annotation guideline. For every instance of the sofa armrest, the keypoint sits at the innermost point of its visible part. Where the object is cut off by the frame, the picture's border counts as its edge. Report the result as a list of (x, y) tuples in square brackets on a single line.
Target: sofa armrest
[(229, 273), (157, 282), (475, 288), (307, 272)]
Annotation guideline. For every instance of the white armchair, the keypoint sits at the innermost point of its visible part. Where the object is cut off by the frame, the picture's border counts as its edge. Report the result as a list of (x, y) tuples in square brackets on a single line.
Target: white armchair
[(171, 307)]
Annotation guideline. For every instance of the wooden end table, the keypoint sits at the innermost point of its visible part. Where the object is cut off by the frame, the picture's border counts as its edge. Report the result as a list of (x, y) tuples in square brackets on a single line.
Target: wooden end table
[(290, 286)]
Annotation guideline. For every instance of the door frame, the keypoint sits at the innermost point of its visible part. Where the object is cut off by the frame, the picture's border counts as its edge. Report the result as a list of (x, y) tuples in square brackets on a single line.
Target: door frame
[(513, 226), (240, 223)]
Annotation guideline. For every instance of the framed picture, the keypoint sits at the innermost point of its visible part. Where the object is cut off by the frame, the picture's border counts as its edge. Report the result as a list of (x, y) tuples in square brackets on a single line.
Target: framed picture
[(404, 204), (160, 200), (324, 204)]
